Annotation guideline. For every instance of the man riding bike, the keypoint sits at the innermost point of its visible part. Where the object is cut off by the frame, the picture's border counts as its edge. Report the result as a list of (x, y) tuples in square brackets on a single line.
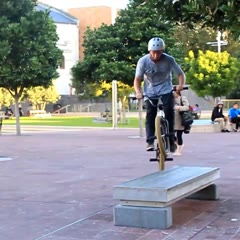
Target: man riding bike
[(156, 68)]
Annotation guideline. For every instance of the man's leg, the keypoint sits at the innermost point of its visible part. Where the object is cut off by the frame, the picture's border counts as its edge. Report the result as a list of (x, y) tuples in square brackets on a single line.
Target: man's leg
[(226, 124), (237, 122), (151, 112), (234, 120), (168, 103), (221, 123)]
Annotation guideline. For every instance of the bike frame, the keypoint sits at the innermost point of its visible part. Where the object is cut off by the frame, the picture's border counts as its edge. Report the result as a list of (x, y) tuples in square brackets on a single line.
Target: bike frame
[(162, 135)]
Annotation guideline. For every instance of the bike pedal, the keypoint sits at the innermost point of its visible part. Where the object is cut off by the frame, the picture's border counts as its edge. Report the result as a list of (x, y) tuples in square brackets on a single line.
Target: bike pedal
[(168, 159), (153, 160)]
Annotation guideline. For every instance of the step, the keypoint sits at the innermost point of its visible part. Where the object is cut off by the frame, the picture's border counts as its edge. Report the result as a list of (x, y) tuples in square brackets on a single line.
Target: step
[(163, 188)]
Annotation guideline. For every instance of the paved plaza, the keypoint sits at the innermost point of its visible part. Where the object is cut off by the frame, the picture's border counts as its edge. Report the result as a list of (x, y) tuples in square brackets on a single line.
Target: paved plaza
[(59, 185)]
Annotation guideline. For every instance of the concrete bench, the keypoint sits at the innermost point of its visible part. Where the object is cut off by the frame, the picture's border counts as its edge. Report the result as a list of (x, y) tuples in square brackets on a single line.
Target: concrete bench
[(206, 128), (39, 113), (146, 202), (210, 128)]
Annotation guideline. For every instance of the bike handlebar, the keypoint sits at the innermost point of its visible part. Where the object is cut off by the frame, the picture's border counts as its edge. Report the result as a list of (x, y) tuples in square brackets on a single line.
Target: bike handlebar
[(184, 88), (174, 89)]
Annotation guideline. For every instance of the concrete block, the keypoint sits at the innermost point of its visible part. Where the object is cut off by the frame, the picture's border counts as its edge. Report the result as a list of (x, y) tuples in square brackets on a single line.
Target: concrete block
[(165, 187), (209, 193), (143, 217)]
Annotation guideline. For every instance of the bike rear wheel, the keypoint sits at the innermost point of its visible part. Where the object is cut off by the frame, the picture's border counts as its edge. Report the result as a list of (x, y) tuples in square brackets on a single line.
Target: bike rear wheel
[(161, 127)]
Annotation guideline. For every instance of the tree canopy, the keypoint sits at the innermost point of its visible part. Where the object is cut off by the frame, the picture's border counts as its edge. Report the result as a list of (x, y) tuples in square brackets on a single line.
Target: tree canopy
[(111, 52), (40, 96), (5, 98), (29, 56), (212, 74), (218, 14)]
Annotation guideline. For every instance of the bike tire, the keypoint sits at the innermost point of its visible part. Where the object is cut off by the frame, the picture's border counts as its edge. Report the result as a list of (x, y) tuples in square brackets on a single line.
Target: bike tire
[(165, 134), (162, 154)]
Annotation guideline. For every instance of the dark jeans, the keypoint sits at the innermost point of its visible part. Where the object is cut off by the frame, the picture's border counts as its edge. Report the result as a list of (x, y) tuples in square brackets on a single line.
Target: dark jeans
[(236, 120), (179, 137), (168, 107)]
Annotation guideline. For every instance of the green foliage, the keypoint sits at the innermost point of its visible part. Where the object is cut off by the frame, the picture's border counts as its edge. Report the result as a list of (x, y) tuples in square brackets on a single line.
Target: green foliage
[(111, 52), (235, 93), (212, 74), (217, 14), (40, 96), (28, 56), (5, 98)]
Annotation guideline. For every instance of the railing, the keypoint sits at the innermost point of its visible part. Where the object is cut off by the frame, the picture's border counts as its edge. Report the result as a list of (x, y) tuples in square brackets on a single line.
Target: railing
[(58, 111)]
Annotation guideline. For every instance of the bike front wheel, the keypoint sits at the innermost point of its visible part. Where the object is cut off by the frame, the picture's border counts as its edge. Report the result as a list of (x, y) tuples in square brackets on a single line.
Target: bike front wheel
[(161, 128)]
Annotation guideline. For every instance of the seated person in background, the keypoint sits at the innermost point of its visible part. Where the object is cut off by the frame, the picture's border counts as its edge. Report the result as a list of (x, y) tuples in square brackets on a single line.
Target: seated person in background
[(196, 108), (217, 116), (9, 112), (234, 116), (196, 111)]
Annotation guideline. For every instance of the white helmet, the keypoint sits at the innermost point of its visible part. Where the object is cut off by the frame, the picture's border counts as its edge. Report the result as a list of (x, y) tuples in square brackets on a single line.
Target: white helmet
[(156, 44)]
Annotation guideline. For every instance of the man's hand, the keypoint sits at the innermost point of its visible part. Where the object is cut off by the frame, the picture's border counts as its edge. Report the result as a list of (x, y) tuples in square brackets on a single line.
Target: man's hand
[(179, 88), (139, 95)]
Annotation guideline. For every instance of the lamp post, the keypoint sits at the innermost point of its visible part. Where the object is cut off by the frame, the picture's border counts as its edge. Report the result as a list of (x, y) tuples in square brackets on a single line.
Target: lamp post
[(219, 42)]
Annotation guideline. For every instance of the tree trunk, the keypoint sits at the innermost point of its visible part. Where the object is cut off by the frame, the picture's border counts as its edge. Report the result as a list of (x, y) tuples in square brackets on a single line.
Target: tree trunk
[(17, 116), (211, 100)]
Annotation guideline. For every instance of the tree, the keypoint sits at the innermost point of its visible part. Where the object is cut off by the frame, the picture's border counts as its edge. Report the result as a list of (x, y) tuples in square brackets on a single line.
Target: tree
[(5, 98), (220, 15), (111, 52), (28, 53), (40, 96), (212, 74)]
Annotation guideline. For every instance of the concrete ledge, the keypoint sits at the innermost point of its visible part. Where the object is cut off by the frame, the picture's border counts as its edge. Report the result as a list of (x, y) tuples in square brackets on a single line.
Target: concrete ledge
[(143, 217), (208, 128), (209, 193), (146, 202), (163, 188)]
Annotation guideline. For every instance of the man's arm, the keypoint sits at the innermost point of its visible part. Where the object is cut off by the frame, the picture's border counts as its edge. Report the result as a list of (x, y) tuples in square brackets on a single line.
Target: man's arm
[(181, 81), (137, 87), (180, 74)]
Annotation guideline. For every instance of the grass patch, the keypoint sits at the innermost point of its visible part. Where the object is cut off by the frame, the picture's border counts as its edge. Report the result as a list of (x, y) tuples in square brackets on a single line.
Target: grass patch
[(75, 121)]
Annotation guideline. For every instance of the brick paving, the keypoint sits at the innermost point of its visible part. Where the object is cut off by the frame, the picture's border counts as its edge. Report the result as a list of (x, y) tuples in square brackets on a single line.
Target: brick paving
[(59, 186)]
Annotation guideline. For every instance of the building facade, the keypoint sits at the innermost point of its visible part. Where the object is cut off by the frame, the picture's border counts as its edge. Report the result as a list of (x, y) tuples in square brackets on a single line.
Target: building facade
[(92, 17), (68, 32)]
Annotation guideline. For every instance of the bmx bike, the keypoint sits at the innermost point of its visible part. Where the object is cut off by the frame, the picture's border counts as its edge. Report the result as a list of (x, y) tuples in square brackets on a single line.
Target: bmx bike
[(162, 134)]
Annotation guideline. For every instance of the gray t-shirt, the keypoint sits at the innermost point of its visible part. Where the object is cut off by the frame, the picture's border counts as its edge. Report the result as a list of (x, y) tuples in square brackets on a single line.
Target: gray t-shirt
[(157, 76)]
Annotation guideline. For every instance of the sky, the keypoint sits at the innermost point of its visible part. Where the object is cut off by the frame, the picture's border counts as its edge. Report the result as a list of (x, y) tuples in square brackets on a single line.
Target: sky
[(65, 4)]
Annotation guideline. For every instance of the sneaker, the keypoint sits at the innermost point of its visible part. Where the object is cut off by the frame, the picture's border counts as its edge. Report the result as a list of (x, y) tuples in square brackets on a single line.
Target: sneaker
[(177, 153), (234, 130), (223, 130), (238, 130), (173, 147), (150, 147), (226, 130)]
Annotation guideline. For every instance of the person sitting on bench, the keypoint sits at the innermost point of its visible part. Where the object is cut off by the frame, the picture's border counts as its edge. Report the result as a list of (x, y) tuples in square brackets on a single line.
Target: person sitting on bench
[(234, 116), (218, 117)]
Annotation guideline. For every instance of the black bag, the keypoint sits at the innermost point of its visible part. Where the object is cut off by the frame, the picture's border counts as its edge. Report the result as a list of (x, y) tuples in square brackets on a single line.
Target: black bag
[(187, 119)]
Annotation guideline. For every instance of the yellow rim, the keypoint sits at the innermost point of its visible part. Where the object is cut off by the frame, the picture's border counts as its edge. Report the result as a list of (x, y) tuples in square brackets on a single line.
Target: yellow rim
[(162, 153)]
